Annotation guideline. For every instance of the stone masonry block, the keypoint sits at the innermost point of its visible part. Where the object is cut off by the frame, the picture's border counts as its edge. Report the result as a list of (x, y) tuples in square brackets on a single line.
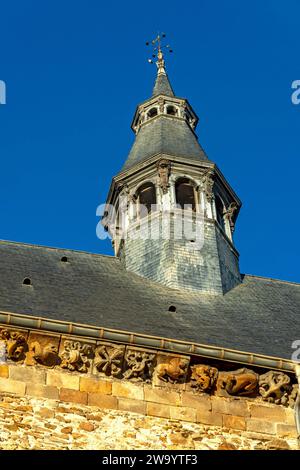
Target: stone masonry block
[(12, 386), (200, 402), (234, 422), (128, 390), (91, 385), (210, 418), (159, 395), (4, 371), (287, 430), (74, 396), (260, 425), (235, 407), (159, 410), (61, 379), (103, 401), (27, 374), (133, 406), (183, 413), (40, 390), (274, 413)]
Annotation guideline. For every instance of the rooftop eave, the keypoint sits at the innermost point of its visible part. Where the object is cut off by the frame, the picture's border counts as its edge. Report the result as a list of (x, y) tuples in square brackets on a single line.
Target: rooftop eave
[(16, 320)]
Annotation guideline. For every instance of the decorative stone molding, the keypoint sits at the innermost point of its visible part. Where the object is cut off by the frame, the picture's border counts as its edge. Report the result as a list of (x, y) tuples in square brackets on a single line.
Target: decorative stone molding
[(76, 355), (274, 387), (139, 365), (109, 359), (16, 344), (164, 170), (207, 184), (203, 377), (241, 382)]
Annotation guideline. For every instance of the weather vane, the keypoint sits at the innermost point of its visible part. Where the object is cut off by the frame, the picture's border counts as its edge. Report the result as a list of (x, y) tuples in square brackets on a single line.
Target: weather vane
[(158, 48)]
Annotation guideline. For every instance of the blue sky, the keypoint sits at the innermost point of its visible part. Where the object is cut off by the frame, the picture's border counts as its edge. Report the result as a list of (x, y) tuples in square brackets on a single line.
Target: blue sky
[(75, 71)]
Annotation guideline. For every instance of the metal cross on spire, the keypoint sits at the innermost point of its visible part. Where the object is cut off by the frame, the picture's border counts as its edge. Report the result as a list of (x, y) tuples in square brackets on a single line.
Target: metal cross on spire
[(158, 48)]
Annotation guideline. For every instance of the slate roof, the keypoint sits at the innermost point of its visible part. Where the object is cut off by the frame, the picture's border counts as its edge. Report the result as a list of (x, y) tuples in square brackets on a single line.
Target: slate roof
[(162, 86), (259, 316), (166, 135)]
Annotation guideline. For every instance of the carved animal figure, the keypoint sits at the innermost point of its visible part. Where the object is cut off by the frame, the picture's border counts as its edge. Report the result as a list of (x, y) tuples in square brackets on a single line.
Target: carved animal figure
[(172, 371), (139, 364), (46, 355), (203, 377), (15, 344), (274, 387), (239, 382)]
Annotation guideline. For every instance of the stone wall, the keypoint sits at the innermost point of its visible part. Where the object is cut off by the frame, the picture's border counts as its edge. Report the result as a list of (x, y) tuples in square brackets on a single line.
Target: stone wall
[(37, 423), (158, 386)]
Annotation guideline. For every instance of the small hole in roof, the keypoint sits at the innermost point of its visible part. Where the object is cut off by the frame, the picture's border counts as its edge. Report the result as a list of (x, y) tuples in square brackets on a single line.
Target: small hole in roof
[(27, 281), (172, 308), (64, 259)]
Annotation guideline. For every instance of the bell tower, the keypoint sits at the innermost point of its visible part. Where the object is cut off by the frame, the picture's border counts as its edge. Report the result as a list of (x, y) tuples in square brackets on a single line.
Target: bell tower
[(170, 211)]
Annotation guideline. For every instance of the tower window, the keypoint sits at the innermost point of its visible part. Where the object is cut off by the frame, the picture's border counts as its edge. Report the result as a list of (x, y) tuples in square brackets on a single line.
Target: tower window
[(220, 212), (152, 112), (185, 194), (64, 259), (146, 199), (172, 110), (27, 281)]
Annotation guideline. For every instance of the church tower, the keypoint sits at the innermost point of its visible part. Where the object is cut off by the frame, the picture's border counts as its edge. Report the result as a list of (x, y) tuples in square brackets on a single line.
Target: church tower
[(170, 211)]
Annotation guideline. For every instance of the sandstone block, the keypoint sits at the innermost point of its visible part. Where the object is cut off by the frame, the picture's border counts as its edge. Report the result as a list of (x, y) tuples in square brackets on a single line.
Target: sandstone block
[(27, 374), (183, 413), (273, 413), (234, 422), (103, 401), (86, 426), (287, 430), (209, 417), (60, 379), (74, 396), (4, 371), (90, 385), (200, 402), (235, 407), (260, 425), (154, 409), (128, 390), (40, 390), (157, 395), (134, 406), (12, 386)]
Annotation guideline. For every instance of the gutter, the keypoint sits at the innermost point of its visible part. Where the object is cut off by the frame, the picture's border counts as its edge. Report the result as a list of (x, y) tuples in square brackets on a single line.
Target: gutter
[(147, 341)]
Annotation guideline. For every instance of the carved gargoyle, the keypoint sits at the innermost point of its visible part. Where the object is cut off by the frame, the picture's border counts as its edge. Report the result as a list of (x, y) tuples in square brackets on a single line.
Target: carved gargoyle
[(109, 359), (46, 355), (172, 371), (76, 356), (16, 344), (274, 387), (203, 377), (140, 365), (241, 382)]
